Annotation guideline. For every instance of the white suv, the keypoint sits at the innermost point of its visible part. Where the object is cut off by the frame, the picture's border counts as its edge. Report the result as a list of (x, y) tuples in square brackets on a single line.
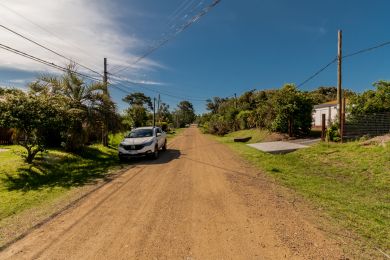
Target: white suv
[(143, 141)]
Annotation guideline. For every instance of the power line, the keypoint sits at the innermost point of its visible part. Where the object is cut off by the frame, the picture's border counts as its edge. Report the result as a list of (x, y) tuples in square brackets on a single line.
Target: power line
[(182, 7), (48, 49), (41, 27), (367, 49), (317, 73), (182, 28), (140, 84), (45, 62), (345, 56), (158, 92)]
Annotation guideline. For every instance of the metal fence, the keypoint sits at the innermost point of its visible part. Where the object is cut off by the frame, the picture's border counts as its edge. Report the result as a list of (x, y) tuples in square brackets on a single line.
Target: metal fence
[(367, 124)]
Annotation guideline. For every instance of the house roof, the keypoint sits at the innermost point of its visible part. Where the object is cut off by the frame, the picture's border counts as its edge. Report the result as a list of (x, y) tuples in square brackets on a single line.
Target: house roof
[(332, 103)]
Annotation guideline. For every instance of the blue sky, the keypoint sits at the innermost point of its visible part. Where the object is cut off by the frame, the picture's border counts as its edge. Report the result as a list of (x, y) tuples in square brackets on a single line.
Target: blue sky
[(238, 46)]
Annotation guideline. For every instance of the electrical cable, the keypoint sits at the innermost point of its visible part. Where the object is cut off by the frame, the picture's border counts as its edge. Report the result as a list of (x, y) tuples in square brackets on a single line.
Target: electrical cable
[(182, 28), (45, 62), (48, 49)]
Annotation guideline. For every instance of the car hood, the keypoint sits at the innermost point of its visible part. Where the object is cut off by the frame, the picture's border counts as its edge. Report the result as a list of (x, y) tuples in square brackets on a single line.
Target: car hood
[(136, 141)]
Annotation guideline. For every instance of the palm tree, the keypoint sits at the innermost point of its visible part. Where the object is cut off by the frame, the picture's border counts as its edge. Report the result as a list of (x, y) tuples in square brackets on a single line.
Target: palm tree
[(88, 106)]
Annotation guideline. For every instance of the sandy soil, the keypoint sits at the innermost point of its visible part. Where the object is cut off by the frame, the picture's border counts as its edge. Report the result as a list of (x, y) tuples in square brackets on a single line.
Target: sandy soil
[(197, 201)]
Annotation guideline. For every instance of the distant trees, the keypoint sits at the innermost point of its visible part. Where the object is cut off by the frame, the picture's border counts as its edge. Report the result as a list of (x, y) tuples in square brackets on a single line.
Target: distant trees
[(293, 111), (184, 114), (140, 104), (371, 101), (325, 94), (287, 110)]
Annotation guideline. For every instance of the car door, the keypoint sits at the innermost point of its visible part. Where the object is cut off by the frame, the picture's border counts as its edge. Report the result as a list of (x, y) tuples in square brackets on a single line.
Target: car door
[(159, 137)]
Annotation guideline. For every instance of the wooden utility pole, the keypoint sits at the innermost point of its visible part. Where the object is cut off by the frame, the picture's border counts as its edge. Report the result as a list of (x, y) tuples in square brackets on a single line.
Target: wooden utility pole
[(105, 77), (105, 91), (158, 110), (154, 111), (339, 83), (323, 127)]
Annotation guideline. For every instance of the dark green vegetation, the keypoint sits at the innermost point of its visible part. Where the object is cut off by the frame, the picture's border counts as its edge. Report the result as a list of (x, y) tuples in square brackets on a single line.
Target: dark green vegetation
[(66, 111), (351, 182), (52, 174), (371, 101), (287, 110), (140, 112)]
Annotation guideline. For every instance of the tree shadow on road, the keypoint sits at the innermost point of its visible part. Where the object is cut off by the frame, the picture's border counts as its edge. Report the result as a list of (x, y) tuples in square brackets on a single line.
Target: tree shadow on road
[(86, 167), (63, 170)]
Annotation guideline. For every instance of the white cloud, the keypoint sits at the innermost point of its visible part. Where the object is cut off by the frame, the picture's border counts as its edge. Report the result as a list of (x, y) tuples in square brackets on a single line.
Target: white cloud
[(20, 81), (84, 30)]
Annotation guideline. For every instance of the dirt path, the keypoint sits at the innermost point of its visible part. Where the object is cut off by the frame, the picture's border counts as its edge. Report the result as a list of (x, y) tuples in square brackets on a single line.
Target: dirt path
[(198, 201)]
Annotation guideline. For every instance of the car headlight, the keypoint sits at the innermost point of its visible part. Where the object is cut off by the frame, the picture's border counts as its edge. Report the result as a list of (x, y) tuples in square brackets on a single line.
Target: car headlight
[(121, 145), (148, 143)]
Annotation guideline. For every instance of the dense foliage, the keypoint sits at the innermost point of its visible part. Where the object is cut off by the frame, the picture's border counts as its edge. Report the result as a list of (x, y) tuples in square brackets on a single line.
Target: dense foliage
[(286, 110), (184, 114), (371, 101), (69, 112)]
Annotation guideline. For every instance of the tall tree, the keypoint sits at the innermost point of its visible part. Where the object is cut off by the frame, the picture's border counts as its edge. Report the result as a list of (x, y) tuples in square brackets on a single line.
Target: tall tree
[(138, 110), (87, 106), (185, 113), (31, 115)]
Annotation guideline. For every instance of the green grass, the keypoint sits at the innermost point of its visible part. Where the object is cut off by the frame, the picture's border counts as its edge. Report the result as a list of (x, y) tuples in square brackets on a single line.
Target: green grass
[(349, 181), (115, 139), (52, 175)]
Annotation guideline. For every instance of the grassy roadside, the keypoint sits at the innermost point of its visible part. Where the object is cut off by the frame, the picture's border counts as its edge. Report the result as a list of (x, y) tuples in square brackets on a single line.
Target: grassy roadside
[(52, 175), (349, 181)]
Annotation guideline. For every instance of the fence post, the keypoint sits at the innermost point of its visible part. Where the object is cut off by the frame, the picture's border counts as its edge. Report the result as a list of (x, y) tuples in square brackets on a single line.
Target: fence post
[(323, 127)]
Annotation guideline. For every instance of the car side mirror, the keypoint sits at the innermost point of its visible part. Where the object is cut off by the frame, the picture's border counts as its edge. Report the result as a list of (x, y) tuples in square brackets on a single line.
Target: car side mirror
[(158, 134)]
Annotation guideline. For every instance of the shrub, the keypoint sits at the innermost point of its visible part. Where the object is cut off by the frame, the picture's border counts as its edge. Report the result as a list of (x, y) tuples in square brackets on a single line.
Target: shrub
[(332, 133)]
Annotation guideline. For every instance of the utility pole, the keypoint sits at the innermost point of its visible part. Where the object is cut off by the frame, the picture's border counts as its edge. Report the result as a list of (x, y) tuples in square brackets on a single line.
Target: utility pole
[(105, 77), (158, 110), (339, 83), (105, 91), (235, 100), (154, 111)]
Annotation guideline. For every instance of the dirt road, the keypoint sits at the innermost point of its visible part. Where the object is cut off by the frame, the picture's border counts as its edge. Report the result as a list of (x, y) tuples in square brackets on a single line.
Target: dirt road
[(197, 201)]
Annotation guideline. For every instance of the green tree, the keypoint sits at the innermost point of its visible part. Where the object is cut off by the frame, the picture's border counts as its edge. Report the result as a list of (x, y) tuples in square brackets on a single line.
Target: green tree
[(293, 111), (212, 105), (372, 101), (185, 113), (31, 115), (138, 110), (88, 107)]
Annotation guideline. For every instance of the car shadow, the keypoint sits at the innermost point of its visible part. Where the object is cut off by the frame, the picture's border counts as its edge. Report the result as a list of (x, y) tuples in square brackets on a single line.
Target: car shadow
[(164, 157)]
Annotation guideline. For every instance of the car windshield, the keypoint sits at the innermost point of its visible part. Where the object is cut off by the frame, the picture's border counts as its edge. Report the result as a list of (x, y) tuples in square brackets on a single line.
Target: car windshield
[(139, 133)]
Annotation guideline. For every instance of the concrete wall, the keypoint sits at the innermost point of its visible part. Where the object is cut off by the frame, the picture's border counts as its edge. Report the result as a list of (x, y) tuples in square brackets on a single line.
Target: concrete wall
[(330, 115)]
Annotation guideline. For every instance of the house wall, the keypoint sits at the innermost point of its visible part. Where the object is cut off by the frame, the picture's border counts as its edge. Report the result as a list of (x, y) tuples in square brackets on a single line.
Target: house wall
[(330, 115)]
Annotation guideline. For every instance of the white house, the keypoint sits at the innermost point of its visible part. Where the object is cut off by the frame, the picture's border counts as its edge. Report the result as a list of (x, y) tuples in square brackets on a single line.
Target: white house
[(330, 109)]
